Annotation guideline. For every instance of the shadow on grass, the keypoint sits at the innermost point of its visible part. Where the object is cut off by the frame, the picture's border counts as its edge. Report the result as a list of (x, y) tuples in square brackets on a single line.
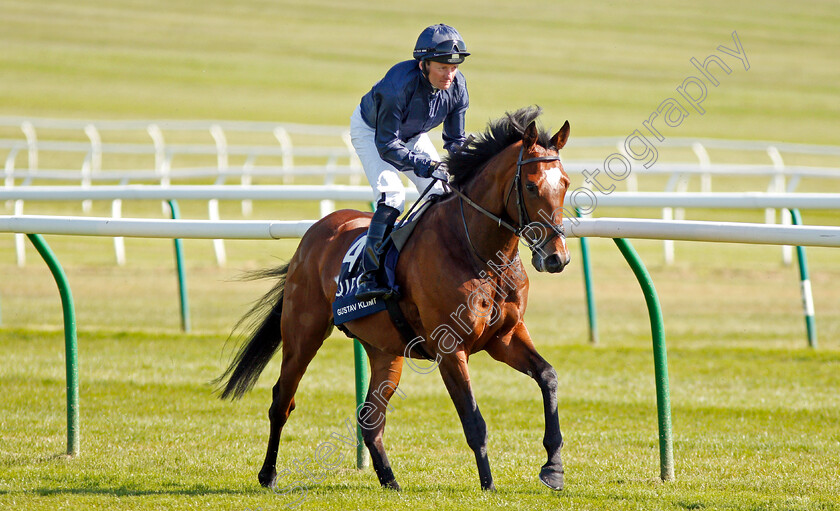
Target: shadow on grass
[(123, 491)]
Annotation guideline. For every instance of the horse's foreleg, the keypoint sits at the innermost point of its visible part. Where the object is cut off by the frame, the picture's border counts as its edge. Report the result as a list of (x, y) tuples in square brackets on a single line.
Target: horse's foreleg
[(518, 352), (386, 371), (456, 377)]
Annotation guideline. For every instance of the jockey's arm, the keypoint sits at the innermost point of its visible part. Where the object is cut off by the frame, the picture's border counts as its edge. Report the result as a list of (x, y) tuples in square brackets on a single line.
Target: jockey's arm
[(391, 147), (453, 127)]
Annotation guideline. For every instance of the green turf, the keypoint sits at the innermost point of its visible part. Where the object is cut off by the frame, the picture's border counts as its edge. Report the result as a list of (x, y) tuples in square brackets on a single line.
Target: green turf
[(755, 428), (604, 66), (755, 412)]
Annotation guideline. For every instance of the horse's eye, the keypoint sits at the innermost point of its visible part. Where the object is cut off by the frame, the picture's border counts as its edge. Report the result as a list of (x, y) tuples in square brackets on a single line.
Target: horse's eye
[(531, 187)]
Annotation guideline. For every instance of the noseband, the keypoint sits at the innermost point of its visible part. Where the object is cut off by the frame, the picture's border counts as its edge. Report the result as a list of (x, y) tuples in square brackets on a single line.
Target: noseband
[(524, 218)]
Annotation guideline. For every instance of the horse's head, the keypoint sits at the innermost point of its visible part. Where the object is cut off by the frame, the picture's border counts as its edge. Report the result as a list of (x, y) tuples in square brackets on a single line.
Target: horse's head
[(535, 198), (523, 183)]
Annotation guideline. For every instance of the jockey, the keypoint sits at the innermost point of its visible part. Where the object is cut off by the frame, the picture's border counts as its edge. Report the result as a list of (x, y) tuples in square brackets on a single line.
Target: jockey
[(389, 132)]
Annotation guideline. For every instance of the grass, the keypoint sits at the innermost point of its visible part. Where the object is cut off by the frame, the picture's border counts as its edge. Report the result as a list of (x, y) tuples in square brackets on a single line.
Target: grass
[(604, 66), (756, 414), (153, 437)]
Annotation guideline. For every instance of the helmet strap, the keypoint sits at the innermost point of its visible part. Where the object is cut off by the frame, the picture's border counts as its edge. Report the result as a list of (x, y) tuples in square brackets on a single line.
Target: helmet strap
[(424, 68)]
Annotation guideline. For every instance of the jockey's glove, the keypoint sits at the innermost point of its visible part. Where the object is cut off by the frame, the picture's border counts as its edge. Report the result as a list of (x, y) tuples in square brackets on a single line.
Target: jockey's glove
[(440, 171)]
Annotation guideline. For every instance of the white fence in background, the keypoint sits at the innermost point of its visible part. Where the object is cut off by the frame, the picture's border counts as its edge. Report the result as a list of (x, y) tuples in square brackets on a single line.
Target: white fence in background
[(328, 145), (274, 152)]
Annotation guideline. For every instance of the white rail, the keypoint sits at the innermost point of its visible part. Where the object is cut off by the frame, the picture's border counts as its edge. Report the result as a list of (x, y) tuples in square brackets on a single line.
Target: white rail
[(733, 200), (721, 232), (728, 232), (144, 228), (747, 200), (274, 152)]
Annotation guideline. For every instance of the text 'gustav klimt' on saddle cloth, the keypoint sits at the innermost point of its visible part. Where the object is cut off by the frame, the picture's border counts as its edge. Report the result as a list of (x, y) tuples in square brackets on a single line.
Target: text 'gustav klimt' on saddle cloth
[(346, 307)]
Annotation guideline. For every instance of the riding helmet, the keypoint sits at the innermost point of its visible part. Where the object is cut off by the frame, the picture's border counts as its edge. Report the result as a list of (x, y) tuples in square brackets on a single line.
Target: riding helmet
[(440, 43)]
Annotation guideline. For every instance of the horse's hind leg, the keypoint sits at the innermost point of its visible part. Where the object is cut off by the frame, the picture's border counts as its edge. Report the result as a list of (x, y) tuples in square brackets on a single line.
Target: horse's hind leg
[(302, 338), (386, 371)]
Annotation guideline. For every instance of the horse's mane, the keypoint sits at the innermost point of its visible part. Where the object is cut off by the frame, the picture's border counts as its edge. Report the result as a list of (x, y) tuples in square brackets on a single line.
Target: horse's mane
[(465, 163)]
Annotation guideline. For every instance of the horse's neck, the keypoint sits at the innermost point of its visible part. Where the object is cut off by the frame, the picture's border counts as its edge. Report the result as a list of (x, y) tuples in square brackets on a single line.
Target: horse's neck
[(488, 242)]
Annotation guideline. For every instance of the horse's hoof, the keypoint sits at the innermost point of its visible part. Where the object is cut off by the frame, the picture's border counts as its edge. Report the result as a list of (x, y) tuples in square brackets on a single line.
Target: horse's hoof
[(490, 487), (552, 478), (391, 485), (266, 478)]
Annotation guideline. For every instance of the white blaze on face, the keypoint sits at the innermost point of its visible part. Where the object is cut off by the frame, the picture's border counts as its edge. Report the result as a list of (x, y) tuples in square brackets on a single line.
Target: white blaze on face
[(554, 176)]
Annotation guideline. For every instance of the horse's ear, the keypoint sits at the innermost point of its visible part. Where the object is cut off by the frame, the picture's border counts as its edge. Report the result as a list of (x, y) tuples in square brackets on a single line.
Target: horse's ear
[(559, 139), (529, 138)]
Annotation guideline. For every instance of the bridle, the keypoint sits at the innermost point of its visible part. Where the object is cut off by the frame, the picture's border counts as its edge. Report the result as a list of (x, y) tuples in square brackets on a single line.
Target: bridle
[(524, 219)]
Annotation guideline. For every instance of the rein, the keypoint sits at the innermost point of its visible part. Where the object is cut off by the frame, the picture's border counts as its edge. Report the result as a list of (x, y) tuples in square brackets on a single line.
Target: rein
[(524, 218)]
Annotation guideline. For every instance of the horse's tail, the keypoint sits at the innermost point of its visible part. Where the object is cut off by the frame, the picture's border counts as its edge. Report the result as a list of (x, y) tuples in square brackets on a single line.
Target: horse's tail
[(262, 323)]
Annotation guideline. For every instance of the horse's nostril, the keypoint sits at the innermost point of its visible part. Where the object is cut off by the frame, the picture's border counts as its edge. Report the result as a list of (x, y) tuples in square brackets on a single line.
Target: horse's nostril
[(554, 263)]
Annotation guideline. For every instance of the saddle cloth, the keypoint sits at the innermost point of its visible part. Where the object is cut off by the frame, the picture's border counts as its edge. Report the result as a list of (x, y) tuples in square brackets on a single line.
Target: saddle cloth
[(345, 305)]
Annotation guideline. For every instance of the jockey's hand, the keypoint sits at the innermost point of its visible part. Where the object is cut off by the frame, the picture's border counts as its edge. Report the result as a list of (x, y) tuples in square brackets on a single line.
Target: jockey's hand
[(466, 143), (441, 172)]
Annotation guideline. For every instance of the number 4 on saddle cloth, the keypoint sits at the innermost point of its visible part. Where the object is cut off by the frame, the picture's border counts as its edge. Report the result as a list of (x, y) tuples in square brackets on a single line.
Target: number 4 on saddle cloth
[(347, 308)]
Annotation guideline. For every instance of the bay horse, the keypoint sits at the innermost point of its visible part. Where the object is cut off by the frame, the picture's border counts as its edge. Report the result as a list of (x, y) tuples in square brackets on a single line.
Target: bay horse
[(460, 268)]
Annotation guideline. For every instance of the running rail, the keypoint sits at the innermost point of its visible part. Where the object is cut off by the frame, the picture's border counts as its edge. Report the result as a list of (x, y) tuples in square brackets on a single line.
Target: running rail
[(684, 230)]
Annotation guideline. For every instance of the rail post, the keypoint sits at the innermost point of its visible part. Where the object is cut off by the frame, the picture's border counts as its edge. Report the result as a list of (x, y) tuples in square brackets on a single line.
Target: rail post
[(660, 359), (362, 382), (182, 278), (218, 135), (70, 341), (591, 313), (360, 362), (807, 294)]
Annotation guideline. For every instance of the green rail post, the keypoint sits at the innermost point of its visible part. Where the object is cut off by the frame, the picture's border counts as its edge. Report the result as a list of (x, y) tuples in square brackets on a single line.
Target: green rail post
[(360, 361), (362, 381), (660, 359), (70, 341), (587, 283), (182, 278), (805, 280)]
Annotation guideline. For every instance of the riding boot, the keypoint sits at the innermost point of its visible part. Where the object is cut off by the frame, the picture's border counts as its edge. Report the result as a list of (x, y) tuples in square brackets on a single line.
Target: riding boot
[(380, 226)]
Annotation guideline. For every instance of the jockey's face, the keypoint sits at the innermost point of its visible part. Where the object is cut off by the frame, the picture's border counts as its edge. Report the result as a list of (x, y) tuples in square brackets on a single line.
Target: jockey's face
[(441, 75)]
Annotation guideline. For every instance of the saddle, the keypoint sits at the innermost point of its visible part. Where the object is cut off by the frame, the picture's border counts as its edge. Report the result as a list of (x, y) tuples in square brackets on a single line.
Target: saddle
[(345, 305)]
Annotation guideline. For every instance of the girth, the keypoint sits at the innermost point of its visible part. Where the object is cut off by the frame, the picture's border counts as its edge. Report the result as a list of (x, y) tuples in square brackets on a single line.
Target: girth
[(400, 322)]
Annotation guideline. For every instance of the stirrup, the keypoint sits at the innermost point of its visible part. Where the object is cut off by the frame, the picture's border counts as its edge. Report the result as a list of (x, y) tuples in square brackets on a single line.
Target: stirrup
[(370, 290)]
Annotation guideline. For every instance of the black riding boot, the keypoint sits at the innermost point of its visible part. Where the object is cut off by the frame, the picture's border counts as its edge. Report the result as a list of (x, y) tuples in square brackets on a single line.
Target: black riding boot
[(380, 226)]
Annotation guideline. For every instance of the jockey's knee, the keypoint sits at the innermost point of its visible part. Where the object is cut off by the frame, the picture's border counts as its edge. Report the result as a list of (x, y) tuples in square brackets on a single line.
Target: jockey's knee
[(396, 201), (391, 190)]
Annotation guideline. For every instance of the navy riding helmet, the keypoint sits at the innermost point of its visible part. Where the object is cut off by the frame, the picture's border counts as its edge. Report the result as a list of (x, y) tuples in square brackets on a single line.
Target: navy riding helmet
[(440, 43)]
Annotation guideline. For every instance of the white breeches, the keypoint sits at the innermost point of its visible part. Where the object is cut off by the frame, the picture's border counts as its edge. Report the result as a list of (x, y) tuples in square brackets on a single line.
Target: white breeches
[(383, 177)]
